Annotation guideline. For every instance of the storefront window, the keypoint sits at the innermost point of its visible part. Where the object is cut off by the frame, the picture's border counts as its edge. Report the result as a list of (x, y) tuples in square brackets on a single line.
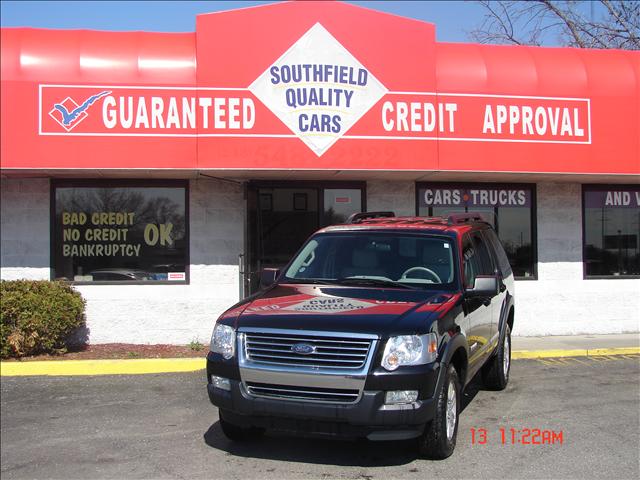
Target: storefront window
[(339, 203), (611, 230), (120, 232), (509, 208)]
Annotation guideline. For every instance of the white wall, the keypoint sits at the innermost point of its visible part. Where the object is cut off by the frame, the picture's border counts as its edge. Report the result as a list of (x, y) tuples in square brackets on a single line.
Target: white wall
[(24, 229), (399, 197), (560, 302), (139, 313)]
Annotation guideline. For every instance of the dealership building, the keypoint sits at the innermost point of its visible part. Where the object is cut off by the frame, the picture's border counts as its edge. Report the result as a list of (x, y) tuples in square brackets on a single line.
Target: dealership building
[(160, 172)]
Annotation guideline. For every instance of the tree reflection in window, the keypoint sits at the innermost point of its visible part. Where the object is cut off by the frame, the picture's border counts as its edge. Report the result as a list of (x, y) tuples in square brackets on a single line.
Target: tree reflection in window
[(158, 256)]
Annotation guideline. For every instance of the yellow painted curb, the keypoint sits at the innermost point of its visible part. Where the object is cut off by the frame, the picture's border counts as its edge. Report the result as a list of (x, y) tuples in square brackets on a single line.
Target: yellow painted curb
[(548, 353), (594, 352), (102, 367), (613, 351)]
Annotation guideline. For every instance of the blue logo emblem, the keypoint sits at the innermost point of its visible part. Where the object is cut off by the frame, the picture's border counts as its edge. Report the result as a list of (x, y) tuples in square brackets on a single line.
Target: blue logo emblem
[(69, 114), (303, 349)]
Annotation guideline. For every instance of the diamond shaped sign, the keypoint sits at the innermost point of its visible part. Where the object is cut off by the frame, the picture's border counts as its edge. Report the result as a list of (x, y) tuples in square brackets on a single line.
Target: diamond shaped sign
[(318, 89)]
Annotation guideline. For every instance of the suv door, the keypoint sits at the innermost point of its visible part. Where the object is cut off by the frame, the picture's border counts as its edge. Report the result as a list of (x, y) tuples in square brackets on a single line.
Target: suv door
[(505, 275), (479, 315)]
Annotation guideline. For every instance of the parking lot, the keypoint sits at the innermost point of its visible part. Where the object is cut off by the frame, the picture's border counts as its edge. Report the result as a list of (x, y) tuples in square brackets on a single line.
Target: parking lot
[(162, 426)]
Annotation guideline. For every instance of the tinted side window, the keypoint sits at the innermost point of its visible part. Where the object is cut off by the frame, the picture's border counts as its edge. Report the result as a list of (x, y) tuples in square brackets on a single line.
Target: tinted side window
[(501, 256), (470, 261), (485, 262)]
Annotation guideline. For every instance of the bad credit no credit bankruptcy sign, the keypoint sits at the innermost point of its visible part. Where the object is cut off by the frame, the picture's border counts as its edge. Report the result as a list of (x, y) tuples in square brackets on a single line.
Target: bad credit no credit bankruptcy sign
[(318, 92)]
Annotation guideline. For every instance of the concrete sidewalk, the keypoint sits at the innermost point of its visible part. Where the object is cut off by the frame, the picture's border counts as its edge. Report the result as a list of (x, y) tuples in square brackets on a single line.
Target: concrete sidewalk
[(575, 345), (576, 342)]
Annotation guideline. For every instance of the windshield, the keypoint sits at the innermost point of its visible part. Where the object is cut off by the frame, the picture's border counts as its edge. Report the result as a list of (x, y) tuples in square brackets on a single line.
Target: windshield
[(415, 261)]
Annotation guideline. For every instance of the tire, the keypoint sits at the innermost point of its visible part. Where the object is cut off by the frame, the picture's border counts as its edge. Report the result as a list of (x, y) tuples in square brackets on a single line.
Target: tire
[(439, 438), (495, 374), (239, 434)]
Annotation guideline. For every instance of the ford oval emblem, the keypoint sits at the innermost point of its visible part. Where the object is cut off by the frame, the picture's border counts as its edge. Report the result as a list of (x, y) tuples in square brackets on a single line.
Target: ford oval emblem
[(303, 349)]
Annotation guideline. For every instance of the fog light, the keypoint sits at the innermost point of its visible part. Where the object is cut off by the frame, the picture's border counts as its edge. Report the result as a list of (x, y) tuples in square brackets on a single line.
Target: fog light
[(400, 396), (221, 383)]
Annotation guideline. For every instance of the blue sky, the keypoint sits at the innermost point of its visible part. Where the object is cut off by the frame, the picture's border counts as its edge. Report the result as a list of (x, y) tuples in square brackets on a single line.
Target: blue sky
[(453, 19)]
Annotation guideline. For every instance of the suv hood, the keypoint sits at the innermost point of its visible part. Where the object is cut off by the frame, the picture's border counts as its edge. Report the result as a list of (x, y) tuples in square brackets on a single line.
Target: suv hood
[(383, 311)]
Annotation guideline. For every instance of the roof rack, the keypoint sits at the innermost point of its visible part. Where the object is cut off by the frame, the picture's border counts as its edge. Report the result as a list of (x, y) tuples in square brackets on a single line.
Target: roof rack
[(359, 217), (451, 219), (469, 217)]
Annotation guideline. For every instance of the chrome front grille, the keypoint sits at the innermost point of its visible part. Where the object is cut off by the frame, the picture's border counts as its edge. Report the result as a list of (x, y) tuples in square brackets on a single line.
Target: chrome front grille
[(307, 394), (304, 365), (319, 351)]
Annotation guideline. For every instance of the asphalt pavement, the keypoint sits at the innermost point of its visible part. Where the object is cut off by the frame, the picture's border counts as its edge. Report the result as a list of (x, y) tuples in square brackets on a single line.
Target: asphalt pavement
[(163, 426)]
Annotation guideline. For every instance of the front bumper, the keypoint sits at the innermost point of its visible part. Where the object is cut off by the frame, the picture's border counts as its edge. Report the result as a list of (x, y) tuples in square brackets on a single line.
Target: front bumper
[(369, 417)]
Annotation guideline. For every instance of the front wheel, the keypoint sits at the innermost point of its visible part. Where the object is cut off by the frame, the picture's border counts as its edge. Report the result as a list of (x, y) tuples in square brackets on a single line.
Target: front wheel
[(239, 434), (495, 373), (439, 438)]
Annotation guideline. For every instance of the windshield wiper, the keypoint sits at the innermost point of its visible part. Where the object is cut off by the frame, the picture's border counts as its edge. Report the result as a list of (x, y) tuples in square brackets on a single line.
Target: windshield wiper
[(312, 281), (371, 281)]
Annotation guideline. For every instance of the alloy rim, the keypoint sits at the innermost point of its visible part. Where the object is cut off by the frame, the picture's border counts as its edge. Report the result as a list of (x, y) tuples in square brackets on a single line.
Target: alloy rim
[(451, 410), (506, 356)]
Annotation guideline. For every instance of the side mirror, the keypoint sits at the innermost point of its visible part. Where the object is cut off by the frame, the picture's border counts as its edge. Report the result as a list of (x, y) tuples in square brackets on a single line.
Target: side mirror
[(268, 276), (484, 286)]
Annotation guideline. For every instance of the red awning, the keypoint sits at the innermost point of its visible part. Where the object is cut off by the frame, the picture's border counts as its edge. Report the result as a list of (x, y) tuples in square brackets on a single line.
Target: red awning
[(78, 99)]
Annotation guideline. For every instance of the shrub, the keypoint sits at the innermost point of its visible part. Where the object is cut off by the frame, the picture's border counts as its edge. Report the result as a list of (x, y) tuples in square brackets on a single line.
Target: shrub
[(38, 317)]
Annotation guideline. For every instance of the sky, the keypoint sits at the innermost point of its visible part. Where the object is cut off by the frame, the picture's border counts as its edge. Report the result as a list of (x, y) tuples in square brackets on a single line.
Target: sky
[(453, 19)]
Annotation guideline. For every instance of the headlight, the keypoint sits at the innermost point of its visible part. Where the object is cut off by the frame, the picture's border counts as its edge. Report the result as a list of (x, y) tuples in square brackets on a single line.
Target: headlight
[(223, 341), (410, 350)]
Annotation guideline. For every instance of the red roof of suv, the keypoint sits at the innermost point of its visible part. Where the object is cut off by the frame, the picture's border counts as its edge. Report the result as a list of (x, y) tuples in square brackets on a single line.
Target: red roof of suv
[(401, 223)]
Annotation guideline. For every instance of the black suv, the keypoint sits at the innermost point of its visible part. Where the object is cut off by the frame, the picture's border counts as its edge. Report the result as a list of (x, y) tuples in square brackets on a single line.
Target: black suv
[(372, 330)]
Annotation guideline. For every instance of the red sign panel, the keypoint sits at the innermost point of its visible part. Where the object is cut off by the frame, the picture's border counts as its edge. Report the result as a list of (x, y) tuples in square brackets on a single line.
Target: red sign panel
[(117, 111), (479, 118), (308, 85)]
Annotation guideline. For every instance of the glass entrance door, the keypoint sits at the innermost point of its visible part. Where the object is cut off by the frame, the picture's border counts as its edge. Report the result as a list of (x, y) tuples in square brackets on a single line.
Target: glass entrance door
[(281, 217)]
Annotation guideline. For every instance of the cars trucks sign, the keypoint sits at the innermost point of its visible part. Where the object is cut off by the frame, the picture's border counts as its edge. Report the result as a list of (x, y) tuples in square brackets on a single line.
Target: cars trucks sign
[(474, 196)]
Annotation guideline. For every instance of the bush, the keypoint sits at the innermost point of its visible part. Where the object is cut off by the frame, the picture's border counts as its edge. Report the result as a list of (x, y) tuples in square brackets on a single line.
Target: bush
[(38, 317)]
